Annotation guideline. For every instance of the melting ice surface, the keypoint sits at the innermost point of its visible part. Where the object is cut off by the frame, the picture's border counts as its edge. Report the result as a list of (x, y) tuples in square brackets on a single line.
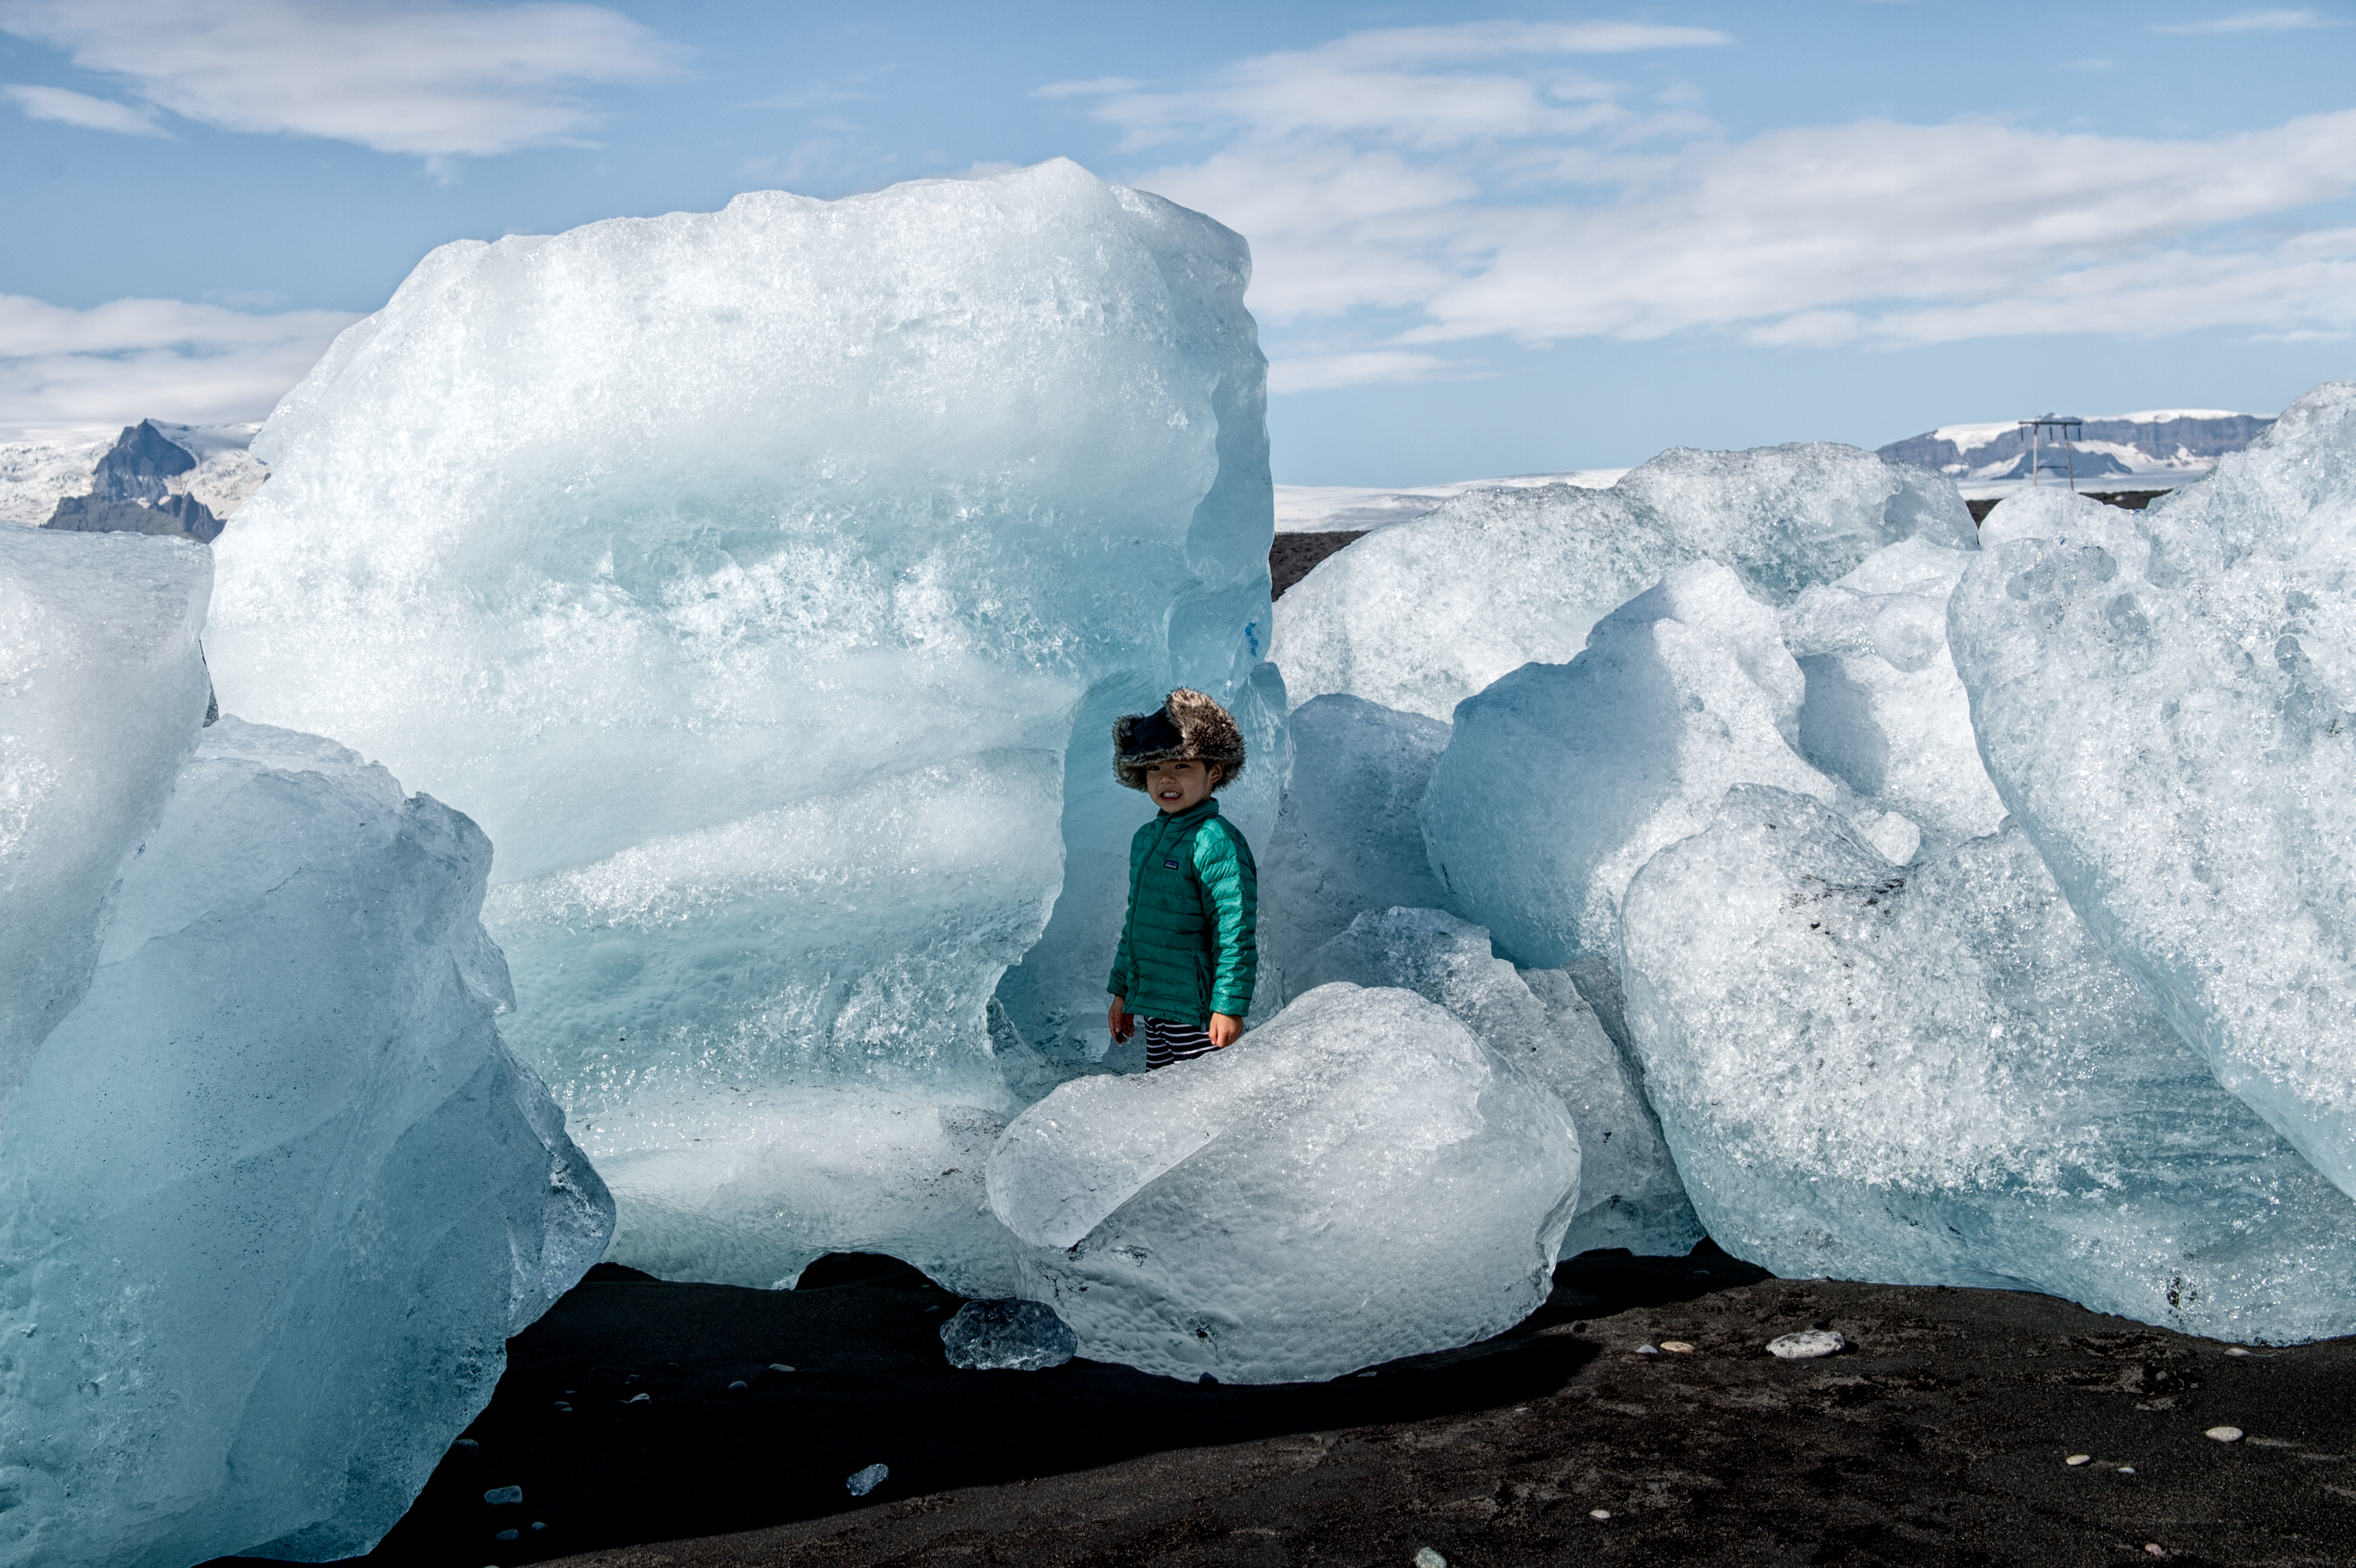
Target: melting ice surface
[(1629, 1194), (102, 692), (274, 1193), (766, 581), (2166, 701), (1423, 614), (1931, 1075), (1358, 1179)]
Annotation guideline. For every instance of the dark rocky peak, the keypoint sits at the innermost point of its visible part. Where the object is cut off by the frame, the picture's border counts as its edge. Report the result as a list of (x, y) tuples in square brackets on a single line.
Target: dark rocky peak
[(143, 460), (179, 516)]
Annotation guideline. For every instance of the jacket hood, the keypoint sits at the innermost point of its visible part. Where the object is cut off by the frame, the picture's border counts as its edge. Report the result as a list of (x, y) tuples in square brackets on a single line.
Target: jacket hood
[(1189, 727)]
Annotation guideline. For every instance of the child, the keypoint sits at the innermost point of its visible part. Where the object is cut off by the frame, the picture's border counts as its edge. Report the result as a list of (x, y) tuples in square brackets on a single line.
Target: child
[(1189, 947)]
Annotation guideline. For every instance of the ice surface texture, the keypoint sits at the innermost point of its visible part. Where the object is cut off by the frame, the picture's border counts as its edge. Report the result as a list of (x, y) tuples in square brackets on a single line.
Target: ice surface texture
[(1931, 1075), (1629, 1194), (1420, 615), (1008, 1337), (1347, 838), (2170, 712), (1561, 780), (765, 581), (101, 693), (1359, 1179), (273, 1194)]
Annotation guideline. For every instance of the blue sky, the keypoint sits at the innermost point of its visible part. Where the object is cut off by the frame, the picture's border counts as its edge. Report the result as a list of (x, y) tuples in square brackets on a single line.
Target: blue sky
[(1491, 240)]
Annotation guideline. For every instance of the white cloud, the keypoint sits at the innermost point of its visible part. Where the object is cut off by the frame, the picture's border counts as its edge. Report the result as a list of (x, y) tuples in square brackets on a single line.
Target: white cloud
[(1318, 372), (66, 372), (435, 81), (2276, 21), (80, 109), (1418, 188)]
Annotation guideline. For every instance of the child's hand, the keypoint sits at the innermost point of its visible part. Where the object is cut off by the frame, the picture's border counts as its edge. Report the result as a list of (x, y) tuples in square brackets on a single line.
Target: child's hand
[(1117, 1019), (1226, 1029)]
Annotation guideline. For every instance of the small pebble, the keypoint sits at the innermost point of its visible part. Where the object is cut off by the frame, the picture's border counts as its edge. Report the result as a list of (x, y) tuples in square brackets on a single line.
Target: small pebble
[(1599, 1513), (2238, 1350), (561, 1406), (1648, 1349), (862, 1482), (1677, 1347), (2224, 1433), (2076, 1459), (507, 1535), (540, 1524), (2127, 1469), (1807, 1345), (738, 1385), (780, 1367), (1424, 1557), (466, 1445), (2154, 1549), (504, 1495), (640, 1399)]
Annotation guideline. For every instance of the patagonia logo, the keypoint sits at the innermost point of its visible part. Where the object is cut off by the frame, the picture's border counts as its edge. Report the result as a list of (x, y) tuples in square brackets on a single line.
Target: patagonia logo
[(1170, 865)]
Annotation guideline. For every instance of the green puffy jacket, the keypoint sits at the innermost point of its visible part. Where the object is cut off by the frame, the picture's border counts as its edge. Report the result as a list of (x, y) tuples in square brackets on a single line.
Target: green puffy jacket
[(1190, 946)]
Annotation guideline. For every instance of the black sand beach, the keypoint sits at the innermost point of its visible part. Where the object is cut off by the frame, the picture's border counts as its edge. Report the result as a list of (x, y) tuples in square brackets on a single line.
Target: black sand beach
[(1940, 1437)]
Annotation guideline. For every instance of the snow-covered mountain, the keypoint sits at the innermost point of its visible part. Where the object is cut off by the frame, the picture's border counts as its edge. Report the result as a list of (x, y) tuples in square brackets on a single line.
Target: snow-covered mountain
[(155, 478), (1329, 508), (2167, 446)]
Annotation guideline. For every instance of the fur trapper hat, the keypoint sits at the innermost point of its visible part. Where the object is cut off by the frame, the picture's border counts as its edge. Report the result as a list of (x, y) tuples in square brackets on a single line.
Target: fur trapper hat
[(1190, 727)]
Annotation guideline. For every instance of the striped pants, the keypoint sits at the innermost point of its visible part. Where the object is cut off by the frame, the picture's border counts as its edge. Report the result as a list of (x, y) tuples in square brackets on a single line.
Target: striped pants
[(1167, 1043)]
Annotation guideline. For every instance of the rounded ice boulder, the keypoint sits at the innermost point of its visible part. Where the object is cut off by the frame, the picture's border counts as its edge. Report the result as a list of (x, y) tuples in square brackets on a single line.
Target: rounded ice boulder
[(1358, 1181)]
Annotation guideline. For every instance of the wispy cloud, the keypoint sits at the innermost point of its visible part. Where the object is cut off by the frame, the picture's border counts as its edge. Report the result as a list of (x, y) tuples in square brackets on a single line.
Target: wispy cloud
[(66, 371), (80, 109), (1411, 192), (2273, 21), (435, 81)]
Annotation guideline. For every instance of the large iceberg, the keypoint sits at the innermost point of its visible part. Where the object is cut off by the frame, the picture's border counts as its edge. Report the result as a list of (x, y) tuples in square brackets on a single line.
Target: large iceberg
[(766, 581), (1560, 781), (1930, 1074), (1359, 1179), (1629, 1194), (91, 625), (2167, 704), (1347, 838), (1422, 615), (273, 1195)]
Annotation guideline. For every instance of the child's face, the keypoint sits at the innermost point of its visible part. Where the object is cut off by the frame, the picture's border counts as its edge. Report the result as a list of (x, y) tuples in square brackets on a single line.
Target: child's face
[(1179, 787)]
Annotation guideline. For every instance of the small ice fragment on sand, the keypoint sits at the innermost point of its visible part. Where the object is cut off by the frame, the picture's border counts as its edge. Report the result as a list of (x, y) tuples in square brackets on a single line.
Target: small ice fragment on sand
[(1599, 1513), (640, 1399), (466, 1445), (738, 1386), (780, 1367), (2076, 1459), (508, 1535), (2237, 1350), (497, 1495), (1424, 1557), (2154, 1549), (2224, 1433), (1648, 1349), (2127, 1469), (1806, 1345), (865, 1481), (1008, 1336)]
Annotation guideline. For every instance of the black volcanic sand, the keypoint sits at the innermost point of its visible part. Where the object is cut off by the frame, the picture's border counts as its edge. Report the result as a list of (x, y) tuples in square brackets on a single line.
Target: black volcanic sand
[(1939, 1437)]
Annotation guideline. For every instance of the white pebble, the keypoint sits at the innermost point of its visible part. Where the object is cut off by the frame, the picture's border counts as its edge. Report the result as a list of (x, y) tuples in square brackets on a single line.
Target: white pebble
[(1599, 1513), (2238, 1350), (504, 1495), (1676, 1346), (2127, 1469), (1807, 1345), (1424, 1557), (2076, 1459), (866, 1481), (2224, 1433), (1648, 1349)]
